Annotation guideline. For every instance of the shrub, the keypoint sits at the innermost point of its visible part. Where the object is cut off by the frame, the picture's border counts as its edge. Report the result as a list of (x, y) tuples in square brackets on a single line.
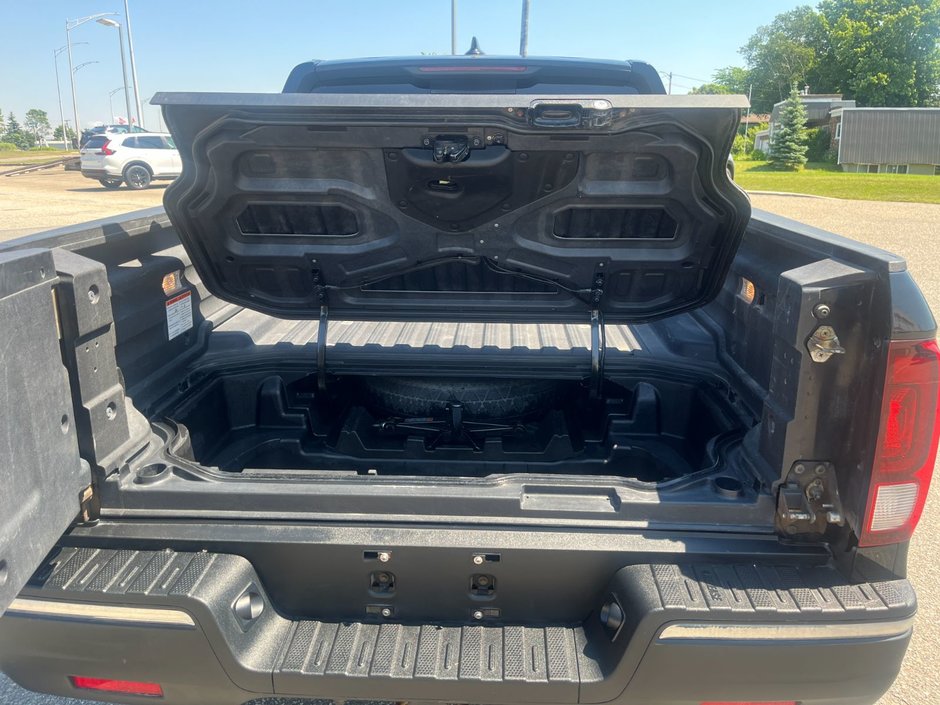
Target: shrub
[(8, 147), (818, 140)]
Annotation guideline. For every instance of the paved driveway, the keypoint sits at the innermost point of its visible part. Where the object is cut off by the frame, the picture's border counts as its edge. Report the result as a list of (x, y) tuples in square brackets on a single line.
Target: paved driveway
[(913, 231)]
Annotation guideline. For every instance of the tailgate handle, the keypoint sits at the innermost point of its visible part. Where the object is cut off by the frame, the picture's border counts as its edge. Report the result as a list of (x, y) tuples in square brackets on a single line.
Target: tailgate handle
[(555, 115)]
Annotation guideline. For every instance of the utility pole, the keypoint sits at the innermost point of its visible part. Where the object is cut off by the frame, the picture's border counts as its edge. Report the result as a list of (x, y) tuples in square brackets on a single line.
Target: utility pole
[(130, 49), (453, 27), (669, 90), (524, 31), (747, 117)]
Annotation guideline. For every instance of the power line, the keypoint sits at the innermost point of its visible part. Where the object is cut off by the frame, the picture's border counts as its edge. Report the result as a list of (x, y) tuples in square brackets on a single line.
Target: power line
[(691, 78)]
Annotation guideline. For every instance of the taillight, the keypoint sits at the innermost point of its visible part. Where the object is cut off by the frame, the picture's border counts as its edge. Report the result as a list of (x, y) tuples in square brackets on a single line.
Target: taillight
[(107, 685), (106, 149), (907, 443)]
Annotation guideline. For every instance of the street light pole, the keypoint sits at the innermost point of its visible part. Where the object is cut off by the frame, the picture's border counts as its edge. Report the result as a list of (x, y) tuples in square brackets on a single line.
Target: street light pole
[(127, 96), (58, 91), (69, 26), (453, 26), (130, 50), (110, 103), (68, 46), (524, 33)]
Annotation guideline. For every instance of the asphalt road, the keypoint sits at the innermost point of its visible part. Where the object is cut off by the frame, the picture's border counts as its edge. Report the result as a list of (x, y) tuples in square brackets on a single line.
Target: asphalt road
[(909, 229)]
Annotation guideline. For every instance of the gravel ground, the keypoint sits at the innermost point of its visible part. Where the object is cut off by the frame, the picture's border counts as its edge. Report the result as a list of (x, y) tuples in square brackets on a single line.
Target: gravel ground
[(908, 229), (54, 198)]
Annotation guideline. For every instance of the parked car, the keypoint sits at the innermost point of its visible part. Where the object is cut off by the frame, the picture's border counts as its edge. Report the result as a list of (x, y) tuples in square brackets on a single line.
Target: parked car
[(109, 130), (459, 380), (132, 159)]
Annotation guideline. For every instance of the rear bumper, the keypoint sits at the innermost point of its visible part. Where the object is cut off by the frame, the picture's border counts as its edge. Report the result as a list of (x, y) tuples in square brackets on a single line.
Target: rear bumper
[(99, 174), (673, 634)]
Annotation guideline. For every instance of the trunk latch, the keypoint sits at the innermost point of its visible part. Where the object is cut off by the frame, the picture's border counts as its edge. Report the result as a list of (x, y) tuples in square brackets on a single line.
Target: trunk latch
[(450, 148)]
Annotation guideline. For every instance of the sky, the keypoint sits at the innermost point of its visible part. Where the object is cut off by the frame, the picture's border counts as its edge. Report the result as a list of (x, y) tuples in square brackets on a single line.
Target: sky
[(251, 46)]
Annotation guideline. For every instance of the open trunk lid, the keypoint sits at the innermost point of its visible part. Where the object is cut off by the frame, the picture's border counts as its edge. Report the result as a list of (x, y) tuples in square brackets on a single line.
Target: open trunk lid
[(457, 206)]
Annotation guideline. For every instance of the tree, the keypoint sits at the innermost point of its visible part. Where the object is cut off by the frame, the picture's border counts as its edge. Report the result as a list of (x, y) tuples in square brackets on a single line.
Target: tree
[(16, 134), (788, 142), (57, 133), (735, 78), (37, 122), (882, 52), (781, 54), (730, 79), (710, 89)]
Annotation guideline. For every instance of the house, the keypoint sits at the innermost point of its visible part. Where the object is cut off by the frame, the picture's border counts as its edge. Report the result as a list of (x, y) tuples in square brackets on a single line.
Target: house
[(752, 119), (762, 141), (887, 140), (819, 107)]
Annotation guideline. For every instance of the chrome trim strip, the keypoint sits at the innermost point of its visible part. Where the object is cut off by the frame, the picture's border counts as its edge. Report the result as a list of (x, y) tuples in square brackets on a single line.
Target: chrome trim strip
[(92, 612), (687, 631)]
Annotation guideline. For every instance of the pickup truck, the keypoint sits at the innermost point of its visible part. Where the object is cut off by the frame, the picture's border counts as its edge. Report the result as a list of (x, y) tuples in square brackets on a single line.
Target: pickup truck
[(459, 379)]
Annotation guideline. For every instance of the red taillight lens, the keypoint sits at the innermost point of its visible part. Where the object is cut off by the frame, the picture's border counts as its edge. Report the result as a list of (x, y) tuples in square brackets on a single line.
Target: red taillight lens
[(106, 149), (907, 443), (107, 685), (471, 68)]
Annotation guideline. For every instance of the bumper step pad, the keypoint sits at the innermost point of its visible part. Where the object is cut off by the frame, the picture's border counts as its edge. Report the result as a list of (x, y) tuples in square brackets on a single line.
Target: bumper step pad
[(381, 659)]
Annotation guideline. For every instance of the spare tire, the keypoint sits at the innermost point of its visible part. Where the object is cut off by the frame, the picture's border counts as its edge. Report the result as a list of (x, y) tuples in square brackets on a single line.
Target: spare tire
[(484, 399)]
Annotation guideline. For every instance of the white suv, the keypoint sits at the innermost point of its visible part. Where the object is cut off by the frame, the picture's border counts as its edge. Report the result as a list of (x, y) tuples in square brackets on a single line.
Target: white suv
[(134, 159)]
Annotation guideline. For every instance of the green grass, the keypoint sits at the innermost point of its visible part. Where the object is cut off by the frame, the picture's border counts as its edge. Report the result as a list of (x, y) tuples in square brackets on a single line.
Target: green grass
[(819, 179), (20, 157)]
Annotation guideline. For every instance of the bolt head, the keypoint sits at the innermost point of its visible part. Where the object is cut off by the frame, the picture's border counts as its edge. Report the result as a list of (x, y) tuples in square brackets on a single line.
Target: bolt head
[(386, 612), (820, 469), (385, 556), (478, 615), (478, 560), (821, 311), (799, 469)]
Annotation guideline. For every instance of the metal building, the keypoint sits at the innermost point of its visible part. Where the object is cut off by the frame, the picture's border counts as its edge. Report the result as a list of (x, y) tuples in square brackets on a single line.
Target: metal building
[(887, 140)]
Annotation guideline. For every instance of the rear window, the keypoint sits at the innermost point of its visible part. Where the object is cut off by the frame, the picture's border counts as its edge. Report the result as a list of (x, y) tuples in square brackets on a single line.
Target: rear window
[(96, 142)]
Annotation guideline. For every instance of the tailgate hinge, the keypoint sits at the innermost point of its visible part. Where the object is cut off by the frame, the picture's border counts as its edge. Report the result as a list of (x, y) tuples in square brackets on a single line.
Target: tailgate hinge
[(89, 505), (808, 500), (598, 338), (321, 347)]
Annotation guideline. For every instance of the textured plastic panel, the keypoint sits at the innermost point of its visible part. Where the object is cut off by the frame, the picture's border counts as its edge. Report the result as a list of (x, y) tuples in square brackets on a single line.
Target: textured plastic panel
[(485, 661), (41, 473), (464, 240)]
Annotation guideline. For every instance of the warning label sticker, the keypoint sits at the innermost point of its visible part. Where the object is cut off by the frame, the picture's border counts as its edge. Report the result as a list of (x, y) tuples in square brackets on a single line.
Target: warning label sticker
[(179, 314)]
